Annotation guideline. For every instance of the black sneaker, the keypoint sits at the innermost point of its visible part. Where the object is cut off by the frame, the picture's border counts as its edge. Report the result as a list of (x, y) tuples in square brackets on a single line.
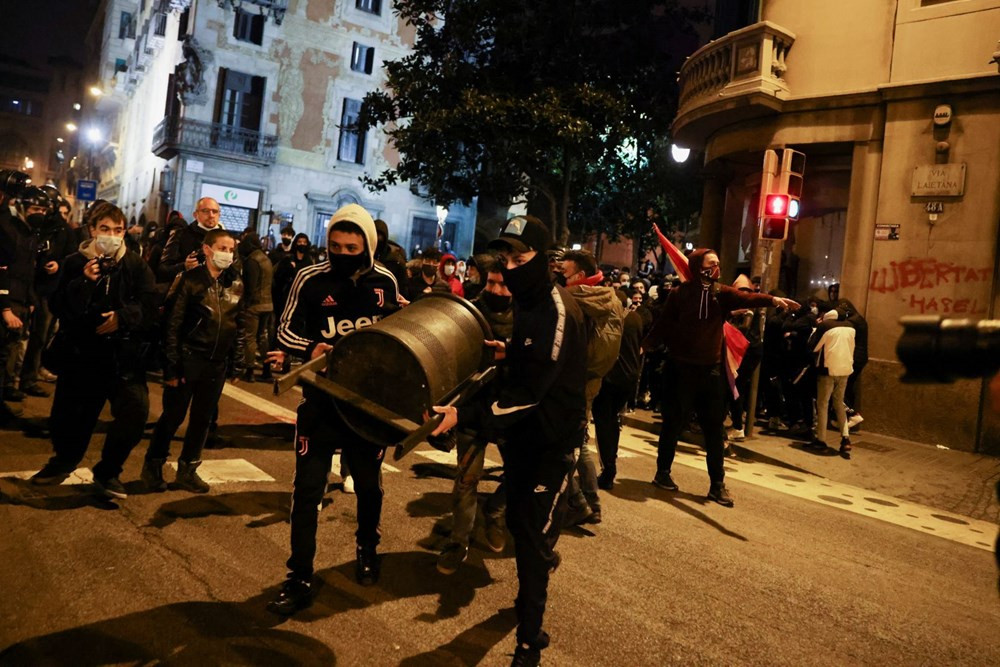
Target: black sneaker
[(845, 447), (578, 515), (720, 494), (815, 445), (664, 481), (368, 567), (50, 475), (452, 558), (606, 480), (525, 656), (294, 595), (13, 394), (35, 390), (110, 487)]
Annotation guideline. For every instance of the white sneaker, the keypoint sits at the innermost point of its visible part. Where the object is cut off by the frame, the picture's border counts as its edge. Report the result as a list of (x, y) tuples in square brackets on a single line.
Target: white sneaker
[(349, 484), (737, 435), (855, 420)]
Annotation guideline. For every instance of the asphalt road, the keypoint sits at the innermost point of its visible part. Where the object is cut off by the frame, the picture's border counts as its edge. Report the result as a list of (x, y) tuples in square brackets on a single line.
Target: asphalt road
[(800, 572)]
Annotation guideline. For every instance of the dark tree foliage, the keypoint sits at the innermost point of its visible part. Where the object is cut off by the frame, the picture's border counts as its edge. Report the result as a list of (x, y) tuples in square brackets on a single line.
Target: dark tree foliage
[(510, 98)]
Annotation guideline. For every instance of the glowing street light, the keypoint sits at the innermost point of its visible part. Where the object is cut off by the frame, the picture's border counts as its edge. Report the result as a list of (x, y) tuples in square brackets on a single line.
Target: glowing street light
[(76, 106), (29, 163), (71, 127), (95, 91), (679, 154), (94, 135)]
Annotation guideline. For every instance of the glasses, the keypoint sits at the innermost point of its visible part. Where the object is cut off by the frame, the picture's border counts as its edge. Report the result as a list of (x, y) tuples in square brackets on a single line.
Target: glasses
[(209, 211)]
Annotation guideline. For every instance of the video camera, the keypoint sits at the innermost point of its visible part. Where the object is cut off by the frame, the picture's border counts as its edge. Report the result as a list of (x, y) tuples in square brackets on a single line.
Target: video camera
[(937, 350), (13, 182)]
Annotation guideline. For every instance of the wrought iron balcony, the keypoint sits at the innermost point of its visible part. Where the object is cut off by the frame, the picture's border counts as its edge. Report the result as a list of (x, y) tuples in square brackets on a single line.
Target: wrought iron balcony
[(275, 8), (735, 77), (179, 135)]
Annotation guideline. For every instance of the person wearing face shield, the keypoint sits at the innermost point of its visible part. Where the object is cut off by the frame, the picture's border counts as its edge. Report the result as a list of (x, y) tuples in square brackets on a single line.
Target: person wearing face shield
[(17, 291), (691, 324), (538, 409), (203, 346), (348, 291), (106, 306)]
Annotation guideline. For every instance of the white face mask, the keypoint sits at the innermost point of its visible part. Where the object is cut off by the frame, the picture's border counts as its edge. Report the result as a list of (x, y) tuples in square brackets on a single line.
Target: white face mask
[(222, 259), (107, 244), (449, 270)]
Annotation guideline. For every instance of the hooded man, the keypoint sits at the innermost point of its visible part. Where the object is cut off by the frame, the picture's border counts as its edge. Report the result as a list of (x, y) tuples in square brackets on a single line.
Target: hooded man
[(389, 253), (448, 271), (695, 380), (540, 410), (347, 291)]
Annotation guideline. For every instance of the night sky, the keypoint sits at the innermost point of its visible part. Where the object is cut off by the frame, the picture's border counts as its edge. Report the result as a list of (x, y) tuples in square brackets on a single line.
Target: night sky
[(34, 30)]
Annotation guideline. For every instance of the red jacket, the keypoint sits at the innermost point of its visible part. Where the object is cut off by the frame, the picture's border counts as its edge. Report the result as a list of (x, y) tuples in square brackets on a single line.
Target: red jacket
[(453, 280)]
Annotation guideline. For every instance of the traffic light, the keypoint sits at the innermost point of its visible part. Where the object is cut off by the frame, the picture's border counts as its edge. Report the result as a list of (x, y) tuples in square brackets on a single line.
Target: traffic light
[(773, 229), (793, 167), (776, 205)]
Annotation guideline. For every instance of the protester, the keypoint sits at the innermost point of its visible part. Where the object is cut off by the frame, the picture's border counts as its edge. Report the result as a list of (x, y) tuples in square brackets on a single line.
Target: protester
[(428, 280), (349, 288), (447, 271), (833, 344), (540, 410), (257, 281)]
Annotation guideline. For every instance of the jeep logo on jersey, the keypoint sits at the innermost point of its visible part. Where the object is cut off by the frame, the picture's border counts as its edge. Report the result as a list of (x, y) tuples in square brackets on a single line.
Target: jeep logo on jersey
[(344, 327)]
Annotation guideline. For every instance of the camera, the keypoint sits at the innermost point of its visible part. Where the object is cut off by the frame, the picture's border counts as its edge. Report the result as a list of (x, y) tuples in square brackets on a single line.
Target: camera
[(105, 264), (937, 350), (13, 182)]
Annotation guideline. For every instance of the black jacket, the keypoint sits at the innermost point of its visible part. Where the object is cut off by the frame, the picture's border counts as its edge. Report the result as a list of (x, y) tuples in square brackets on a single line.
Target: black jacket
[(540, 399), (179, 245), (258, 274), (55, 242), (416, 287), (205, 322), (80, 304), (17, 260)]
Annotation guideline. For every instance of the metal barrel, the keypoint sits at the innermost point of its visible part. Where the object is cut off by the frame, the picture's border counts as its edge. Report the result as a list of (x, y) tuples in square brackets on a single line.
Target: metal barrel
[(419, 357)]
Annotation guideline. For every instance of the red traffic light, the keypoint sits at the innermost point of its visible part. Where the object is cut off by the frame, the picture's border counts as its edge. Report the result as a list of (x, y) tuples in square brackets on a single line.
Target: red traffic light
[(776, 206)]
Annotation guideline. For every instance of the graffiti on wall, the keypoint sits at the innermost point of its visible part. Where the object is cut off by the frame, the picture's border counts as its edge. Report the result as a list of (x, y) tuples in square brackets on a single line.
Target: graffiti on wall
[(917, 277)]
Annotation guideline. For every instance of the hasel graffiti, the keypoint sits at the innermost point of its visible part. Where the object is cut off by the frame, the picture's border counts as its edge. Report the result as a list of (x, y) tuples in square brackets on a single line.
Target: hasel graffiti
[(920, 275)]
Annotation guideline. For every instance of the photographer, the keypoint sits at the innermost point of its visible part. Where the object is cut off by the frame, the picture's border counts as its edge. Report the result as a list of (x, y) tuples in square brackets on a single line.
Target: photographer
[(53, 243), (17, 272), (104, 303), (182, 249)]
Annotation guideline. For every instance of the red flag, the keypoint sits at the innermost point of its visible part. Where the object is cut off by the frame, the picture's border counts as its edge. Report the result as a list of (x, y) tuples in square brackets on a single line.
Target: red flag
[(734, 343), (677, 258)]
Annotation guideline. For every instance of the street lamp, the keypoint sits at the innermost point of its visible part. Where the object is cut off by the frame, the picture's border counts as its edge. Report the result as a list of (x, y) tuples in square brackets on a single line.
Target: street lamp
[(95, 91), (71, 127), (94, 135), (679, 154)]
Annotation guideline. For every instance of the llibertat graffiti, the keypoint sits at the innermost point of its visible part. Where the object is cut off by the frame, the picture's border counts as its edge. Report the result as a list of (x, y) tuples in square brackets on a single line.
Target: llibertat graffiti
[(917, 277)]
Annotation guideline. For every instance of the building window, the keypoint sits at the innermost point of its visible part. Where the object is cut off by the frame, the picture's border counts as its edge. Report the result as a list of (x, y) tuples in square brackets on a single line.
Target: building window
[(362, 58), (160, 24), (370, 6), (126, 26), (182, 24), (352, 142), (19, 105), (240, 100), (120, 65), (248, 27)]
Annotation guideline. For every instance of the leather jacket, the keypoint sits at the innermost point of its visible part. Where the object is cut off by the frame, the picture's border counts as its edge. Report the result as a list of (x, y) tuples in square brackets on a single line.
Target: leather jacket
[(205, 321)]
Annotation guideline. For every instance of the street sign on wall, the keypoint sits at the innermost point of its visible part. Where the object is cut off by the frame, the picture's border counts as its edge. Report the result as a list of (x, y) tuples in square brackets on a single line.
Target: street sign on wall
[(86, 190)]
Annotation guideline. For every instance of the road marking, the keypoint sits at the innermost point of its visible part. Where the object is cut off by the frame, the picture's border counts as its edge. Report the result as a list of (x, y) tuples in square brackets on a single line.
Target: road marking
[(450, 458), (78, 476), (220, 471), (927, 520), (260, 404)]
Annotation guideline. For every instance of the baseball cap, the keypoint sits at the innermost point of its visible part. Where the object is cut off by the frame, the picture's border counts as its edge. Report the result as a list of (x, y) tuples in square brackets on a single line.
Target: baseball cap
[(523, 233)]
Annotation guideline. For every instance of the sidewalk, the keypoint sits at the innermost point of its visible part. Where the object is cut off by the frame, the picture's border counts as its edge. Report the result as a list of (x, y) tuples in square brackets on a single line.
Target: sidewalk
[(945, 479)]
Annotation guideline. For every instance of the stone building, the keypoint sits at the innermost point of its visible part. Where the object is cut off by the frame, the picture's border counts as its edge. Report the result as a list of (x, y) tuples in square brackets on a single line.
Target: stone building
[(251, 102), (896, 106)]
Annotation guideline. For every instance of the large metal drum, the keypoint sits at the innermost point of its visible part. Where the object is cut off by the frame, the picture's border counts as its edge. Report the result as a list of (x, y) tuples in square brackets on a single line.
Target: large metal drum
[(402, 365)]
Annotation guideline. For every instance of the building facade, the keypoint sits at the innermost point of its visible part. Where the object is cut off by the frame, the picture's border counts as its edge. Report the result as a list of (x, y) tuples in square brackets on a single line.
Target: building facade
[(896, 105), (252, 103)]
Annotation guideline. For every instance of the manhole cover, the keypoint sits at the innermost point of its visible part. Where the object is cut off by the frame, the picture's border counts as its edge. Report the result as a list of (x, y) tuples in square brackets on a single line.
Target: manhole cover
[(873, 447)]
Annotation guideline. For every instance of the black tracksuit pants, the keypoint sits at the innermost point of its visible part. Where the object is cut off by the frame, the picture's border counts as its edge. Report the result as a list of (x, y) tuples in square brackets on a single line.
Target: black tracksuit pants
[(81, 392), (536, 481), (200, 390), (702, 389), (608, 404), (319, 431)]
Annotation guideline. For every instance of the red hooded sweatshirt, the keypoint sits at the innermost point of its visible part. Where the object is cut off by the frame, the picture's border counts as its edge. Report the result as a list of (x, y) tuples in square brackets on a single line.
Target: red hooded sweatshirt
[(453, 281)]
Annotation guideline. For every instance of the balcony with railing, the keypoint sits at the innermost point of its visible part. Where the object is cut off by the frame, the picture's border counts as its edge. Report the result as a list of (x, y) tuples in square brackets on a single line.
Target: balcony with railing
[(214, 140), (735, 77)]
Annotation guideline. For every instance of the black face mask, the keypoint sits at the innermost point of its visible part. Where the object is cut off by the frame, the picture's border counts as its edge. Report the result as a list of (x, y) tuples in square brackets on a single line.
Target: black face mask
[(301, 248), (345, 266), (286, 242), (36, 219), (527, 278), (495, 302), (429, 270), (710, 275)]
